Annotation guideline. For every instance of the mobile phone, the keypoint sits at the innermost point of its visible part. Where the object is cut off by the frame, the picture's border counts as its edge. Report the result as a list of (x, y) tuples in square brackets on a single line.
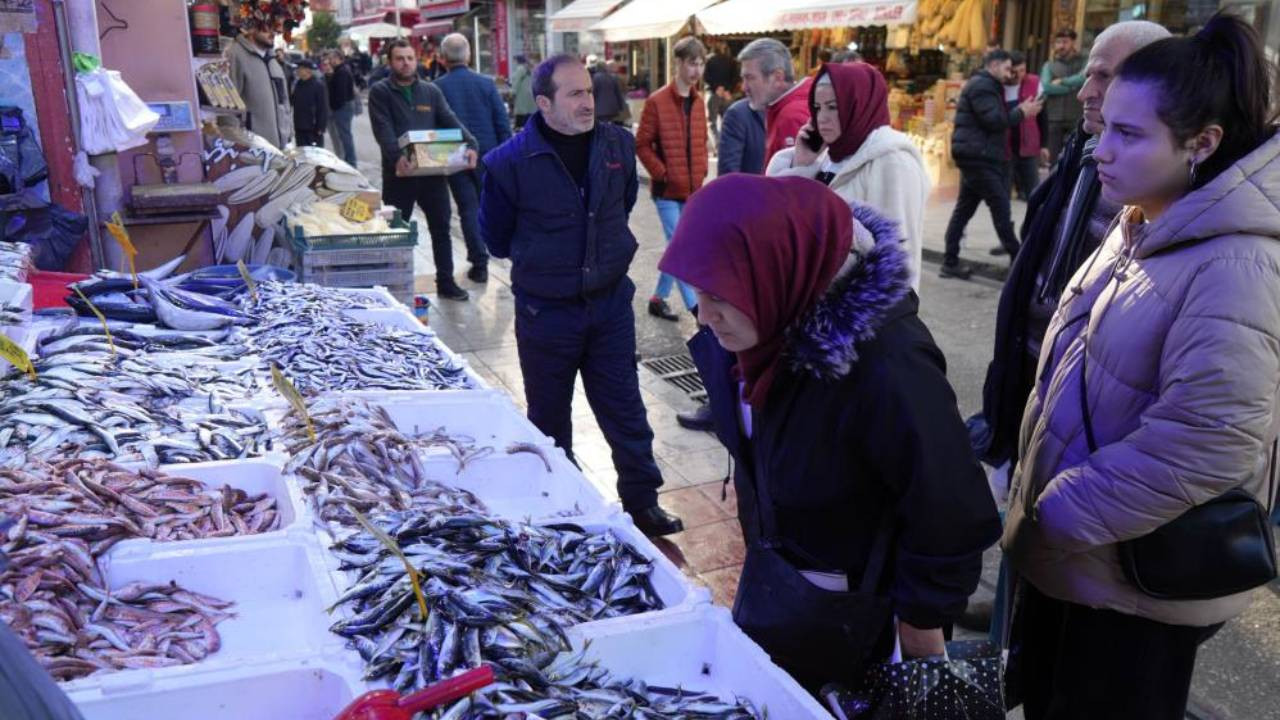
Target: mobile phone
[(814, 141)]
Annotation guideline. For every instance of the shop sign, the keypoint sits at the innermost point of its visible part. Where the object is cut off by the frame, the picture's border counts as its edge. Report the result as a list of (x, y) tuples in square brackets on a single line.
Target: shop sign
[(849, 15), (17, 16), (443, 8), (500, 45)]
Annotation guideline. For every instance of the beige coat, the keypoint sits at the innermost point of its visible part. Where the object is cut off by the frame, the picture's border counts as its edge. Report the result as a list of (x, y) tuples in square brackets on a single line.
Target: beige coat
[(1183, 319), (262, 84)]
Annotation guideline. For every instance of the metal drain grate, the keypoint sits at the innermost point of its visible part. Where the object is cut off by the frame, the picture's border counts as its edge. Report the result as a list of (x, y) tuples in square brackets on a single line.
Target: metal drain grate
[(680, 371)]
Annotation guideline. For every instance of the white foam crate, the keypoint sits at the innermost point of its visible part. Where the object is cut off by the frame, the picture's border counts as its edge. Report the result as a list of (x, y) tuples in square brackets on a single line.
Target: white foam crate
[(699, 649), (301, 689), (253, 475), (280, 587), (24, 337), (675, 590), (518, 487), (376, 294), (486, 416), (17, 294)]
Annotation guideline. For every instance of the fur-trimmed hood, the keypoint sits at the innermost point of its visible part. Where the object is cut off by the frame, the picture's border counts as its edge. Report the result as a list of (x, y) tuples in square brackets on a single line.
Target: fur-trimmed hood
[(824, 342)]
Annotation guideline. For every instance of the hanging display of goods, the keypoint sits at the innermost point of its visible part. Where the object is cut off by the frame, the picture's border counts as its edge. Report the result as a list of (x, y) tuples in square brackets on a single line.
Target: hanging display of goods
[(204, 29)]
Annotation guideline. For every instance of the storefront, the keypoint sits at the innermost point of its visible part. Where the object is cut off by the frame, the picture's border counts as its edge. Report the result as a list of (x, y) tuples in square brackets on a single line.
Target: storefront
[(573, 24), (1180, 16)]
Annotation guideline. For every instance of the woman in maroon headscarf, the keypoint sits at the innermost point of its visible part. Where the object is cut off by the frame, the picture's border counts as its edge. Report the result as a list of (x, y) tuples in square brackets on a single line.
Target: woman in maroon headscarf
[(859, 497), (860, 157)]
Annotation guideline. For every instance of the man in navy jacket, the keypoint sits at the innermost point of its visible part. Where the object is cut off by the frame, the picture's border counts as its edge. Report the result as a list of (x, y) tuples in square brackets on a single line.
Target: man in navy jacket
[(556, 201), (474, 99)]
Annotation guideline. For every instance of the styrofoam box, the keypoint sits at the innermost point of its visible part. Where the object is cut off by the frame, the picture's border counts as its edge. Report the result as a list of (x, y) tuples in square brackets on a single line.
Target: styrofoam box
[(302, 689), (24, 337), (17, 294), (377, 293), (254, 476), (672, 586), (518, 487), (699, 649), (486, 416), (280, 587)]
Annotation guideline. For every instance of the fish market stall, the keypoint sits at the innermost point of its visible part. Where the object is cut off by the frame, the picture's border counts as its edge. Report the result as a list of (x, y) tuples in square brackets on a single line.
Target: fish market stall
[(228, 495)]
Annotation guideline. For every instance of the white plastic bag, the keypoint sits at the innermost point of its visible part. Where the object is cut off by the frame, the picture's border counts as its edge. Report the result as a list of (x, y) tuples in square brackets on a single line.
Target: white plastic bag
[(112, 116)]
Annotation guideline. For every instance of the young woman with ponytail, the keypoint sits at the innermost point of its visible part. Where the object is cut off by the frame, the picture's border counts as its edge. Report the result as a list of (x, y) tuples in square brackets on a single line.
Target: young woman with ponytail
[(1157, 386)]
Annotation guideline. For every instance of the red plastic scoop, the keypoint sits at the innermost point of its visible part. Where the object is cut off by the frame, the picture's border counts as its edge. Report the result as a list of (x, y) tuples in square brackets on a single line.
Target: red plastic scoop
[(388, 705)]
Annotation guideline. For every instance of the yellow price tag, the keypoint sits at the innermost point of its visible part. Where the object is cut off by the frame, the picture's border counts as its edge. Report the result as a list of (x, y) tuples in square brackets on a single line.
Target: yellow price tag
[(357, 210), (290, 393), (9, 350), (395, 550), (110, 343), (121, 234), (248, 279)]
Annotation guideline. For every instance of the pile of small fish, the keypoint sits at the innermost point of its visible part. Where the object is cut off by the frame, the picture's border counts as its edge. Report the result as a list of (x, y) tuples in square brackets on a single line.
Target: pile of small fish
[(285, 299), (103, 503), (184, 349), (502, 594), (359, 459), (60, 518), (12, 314), (15, 261), (103, 404), (334, 352)]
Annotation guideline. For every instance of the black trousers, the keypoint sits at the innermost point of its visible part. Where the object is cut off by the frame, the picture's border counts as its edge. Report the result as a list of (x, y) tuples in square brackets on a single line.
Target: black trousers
[(1077, 662), (981, 183), (309, 137), (466, 186), (1026, 175), (431, 193), (556, 340)]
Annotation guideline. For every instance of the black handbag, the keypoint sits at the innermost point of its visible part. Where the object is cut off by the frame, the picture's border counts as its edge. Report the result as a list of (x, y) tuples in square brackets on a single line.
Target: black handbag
[(816, 635), (1221, 547), (966, 685)]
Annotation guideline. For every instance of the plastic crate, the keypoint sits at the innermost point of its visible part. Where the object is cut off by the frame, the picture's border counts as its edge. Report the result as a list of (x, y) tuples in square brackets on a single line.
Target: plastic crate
[(396, 238)]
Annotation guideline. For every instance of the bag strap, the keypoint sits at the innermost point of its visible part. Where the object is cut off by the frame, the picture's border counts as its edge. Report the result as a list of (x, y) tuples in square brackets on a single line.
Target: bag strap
[(1084, 399)]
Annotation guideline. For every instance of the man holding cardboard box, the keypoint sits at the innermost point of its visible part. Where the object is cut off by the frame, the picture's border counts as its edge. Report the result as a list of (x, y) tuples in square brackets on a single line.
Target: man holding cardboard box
[(402, 105)]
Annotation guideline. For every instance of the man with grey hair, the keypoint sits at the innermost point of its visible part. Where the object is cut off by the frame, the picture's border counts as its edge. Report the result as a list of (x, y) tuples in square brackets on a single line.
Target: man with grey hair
[(1067, 218), (475, 100), (769, 81)]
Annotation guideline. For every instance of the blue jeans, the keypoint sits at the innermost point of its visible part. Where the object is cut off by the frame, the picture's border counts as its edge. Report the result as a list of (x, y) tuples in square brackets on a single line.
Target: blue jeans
[(342, 124), (669, 213)]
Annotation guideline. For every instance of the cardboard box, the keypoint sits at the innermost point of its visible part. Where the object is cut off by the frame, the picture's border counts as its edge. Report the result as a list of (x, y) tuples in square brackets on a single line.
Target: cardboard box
[(434, 152)]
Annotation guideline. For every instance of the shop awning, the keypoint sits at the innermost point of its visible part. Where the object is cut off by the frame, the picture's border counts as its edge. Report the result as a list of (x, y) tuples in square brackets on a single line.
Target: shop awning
[(580, 15), (645, 19), (433, 27), (756, 16), (377, 30)]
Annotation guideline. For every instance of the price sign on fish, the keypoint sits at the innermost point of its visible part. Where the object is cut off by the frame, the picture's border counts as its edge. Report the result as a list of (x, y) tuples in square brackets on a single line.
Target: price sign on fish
[(11, 351), (105, 329), (290, 393), (118, 231), (357, 210)]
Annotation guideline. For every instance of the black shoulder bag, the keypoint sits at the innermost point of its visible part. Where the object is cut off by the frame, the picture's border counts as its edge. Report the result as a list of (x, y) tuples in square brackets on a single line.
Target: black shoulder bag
[(1219, 548)]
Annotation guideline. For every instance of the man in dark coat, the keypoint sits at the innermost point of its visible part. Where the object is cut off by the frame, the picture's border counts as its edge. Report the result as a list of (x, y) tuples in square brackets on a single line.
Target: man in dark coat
[(310, 106), (397, 105), (342, 103), (979, 146), (475, 100), (611, 101), (557, 199)]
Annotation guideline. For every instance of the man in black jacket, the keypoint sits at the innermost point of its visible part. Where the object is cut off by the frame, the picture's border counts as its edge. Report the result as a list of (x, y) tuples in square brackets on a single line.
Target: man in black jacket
[(342, 103), (980, 148), (397, 105), (310, 106)]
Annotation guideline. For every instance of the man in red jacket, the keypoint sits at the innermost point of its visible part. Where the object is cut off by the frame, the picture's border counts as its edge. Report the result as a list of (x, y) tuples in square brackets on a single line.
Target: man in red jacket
[(769, 80), (672, 144), (1027, 148)]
